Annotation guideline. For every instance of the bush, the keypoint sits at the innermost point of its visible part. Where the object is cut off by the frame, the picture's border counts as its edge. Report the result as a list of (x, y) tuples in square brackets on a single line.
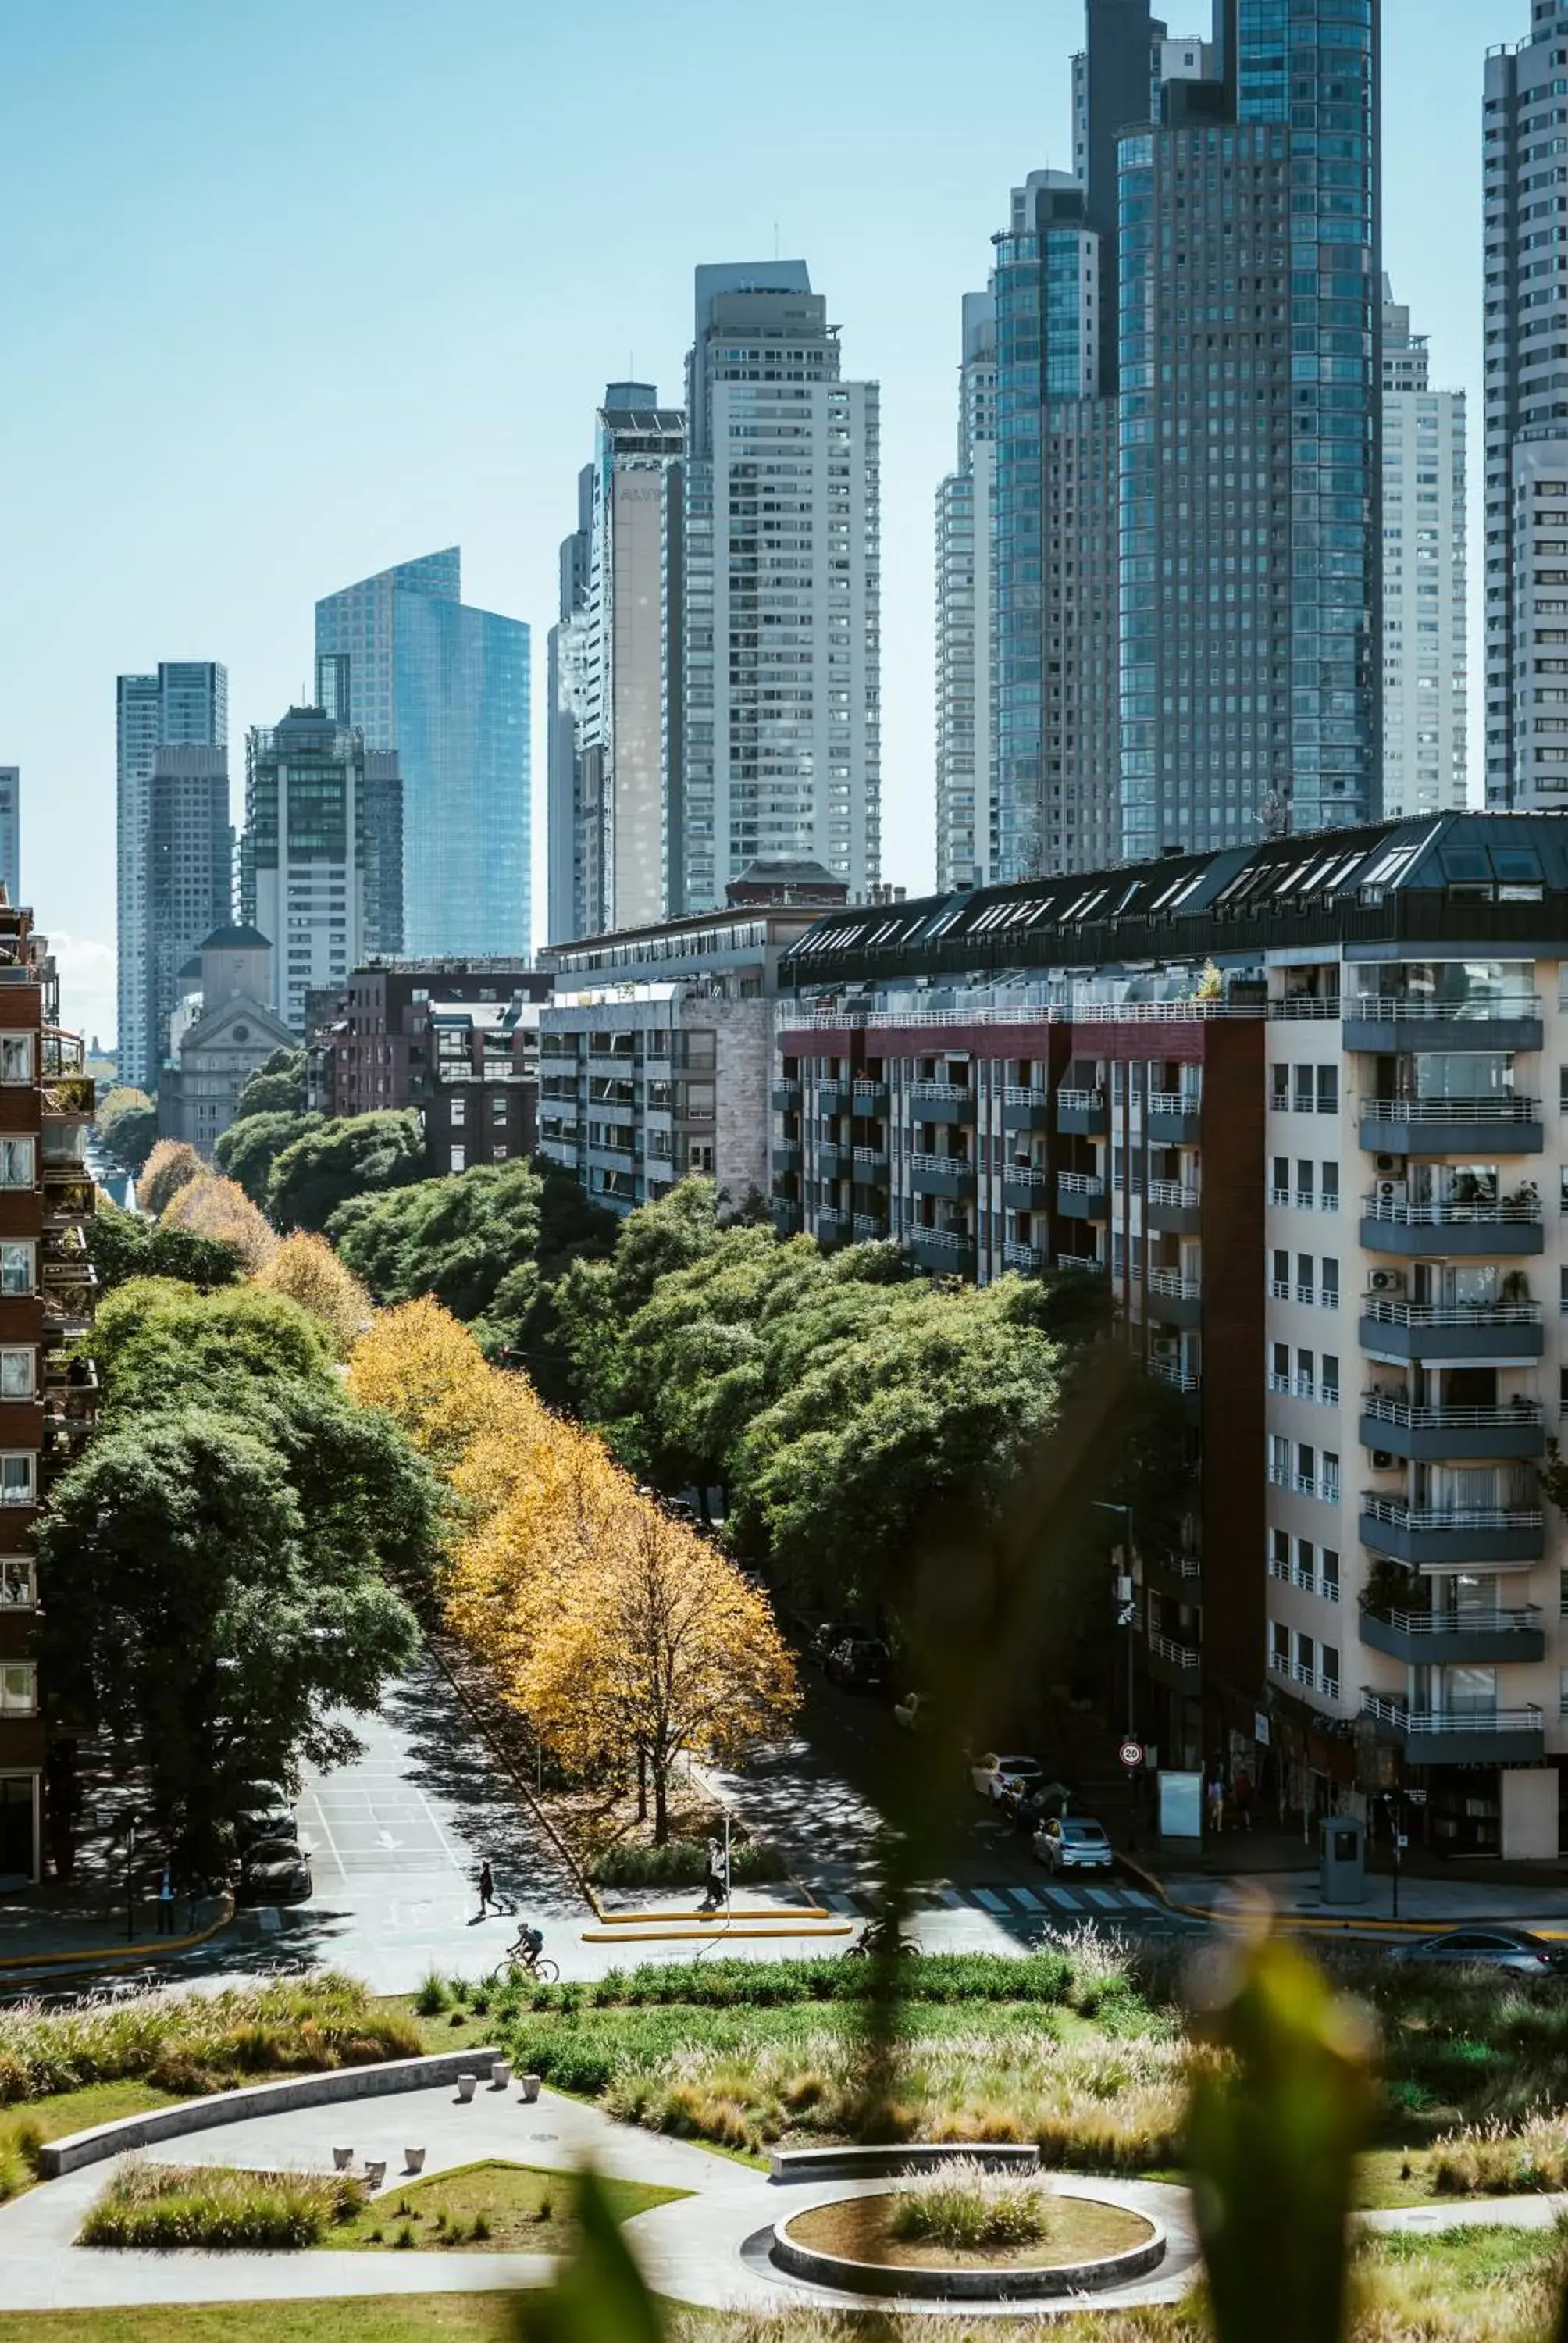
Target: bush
[(434, 1994), (197, 2042), (1492, 2160), (683, 1863), (164, 2206), (970, 2209)]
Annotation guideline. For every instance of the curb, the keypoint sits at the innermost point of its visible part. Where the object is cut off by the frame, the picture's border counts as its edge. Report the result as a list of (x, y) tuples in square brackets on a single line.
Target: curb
[(77, 2148), (740, 1912), (815, 1935), (99, 1956), (1308, 1924)]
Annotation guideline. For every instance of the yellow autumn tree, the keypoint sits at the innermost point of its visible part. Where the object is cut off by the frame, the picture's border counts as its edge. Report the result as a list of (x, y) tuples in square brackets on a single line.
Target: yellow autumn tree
[(209, 1206), (306, 1268), (426, 1369), (170, 1168), (543, 1497)]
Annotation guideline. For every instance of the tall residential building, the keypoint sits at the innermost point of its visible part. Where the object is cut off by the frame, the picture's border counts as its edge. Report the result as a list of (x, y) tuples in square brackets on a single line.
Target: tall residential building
[(308, 851), (965, 529), (1249, 287), (1425, 647), (190, 873), (615, 662), (1526, 326), (446, 686), (185, 701), (781, 749), (11, 831), (564, 911)]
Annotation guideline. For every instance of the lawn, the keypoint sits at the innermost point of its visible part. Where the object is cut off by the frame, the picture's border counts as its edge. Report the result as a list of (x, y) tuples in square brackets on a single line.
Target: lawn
[(64, 2112), (493, 2206)]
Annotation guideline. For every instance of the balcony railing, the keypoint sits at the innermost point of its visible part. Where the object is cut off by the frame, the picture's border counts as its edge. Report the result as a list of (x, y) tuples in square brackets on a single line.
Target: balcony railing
[(948, 1240), (1388, 1310), (868, 1228), (1179, 1655), (1171, 1191), (1471, 1619), (1075, 1101), (941, 1094), (61, 1054), (1025, 1094), (919, 1162), (1378, 1007), (1388, 1407), (875, 1155), (1398, 1515), (1089, 1261), (1507, 1108), (1025, 1257), (1172, 1281), (1295, 1007), (1080, 1183), (1172, 1372), (1403, 1719), (1518, 1212)]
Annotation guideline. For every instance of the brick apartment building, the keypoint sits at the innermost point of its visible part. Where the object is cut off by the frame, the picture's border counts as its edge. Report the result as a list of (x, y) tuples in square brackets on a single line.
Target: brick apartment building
[(48, 1400)]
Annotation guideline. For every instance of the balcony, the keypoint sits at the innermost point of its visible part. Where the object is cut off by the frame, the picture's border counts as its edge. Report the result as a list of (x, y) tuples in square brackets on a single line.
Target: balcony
[(870, 1163), (869, 1228), (1496, 1125), (1479, 1635), (1172, 1571), (1389, 1224), (832, 1227), (1180, 1666), (942, 1102), (1081, 1115), (833, 1160), (831, 1097), (787, 1155), (1452, 1534), (947, 1251), (1169, 1206), (942, 1175), (60, 1054), (1026, 1109), (1027, 1259), (1080, 1195), (1175, 1118), (1437, 1435), (788, 1217), (1386, 1025), (70, 1095), (1028, 1189), (1460, 1737), (1173, 1372), (1451, 1333), (1082, 1264), (787, 1098), (869, 1097)]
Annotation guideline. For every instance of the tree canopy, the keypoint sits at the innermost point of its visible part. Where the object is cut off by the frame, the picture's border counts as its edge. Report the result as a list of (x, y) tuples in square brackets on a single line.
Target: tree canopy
[(128, 1126), (172, 1164), (123, 1245), (275, 1088), (211, 1206), (326, 1165), (252, 1144)]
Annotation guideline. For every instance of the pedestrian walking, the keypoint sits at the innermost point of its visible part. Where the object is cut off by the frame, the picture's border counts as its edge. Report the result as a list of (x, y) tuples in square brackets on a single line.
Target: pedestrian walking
[(167, 1903), (1216, 1804), (1241, 1798), (487, 1892), (715, 1895)]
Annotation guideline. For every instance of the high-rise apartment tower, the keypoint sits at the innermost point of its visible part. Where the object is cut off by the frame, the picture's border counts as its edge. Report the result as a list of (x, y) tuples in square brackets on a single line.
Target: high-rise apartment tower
[(190, 872), (965, 536), (183, 701), (565, 911), (1425, 647)]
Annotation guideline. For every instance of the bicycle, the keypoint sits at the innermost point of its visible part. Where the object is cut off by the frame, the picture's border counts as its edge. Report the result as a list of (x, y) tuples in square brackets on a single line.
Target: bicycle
[(523, 1958), (877, 1939)]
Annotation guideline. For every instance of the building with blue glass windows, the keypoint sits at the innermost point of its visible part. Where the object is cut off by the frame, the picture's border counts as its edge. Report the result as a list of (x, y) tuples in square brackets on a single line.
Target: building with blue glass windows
[(419, 671)]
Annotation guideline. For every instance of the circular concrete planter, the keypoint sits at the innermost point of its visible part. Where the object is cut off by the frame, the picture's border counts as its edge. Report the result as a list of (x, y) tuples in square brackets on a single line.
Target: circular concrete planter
[(890, 2281)]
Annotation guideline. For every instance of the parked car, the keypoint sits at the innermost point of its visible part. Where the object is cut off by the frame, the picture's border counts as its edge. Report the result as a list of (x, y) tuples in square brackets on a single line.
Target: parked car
[(824, 1639), (254, 1822), (1028, 1804), (1500, 1948), (916, 1712), (860, 1662), (1073, 1843), (274, 1871), (991, 1771)]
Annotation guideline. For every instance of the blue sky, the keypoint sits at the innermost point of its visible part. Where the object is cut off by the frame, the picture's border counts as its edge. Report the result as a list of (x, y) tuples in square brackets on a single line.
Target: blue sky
[(295, 291)]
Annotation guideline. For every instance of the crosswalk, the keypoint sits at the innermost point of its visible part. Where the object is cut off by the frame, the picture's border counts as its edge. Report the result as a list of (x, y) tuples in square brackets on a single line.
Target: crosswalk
[(1052, 1899)]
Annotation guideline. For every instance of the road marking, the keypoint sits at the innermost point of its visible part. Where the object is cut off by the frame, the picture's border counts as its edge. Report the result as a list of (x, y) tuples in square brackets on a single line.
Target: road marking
[(951, 1900), (1064, 1895), (987, 1898), (1027, 1897), (1138, 1896), (460, 1868), (836, 1902), (1105, 1896)]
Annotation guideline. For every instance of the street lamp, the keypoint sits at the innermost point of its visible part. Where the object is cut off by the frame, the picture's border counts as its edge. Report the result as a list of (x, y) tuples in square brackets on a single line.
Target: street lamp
[(1126, 1613), (132, 1820)]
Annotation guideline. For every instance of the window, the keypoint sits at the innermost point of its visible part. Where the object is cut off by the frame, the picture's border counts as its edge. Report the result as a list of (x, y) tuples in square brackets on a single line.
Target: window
[(1306, 1468), (459, 1159), (460, 1113), (1331, 1284), (16, 1268), (1281, 1277), (1328, 1670), (1279, 1461), (1330, 1188), (16, 1058), (1329, 1486), (1303, 1094), (1331, 1380), (17, 1379), (1328, 1090), (1280, 1095), (1304, 1184), (499, 1108), (1278, 1648), (1304, 1283), (1280, 1371), (18, 1688), (18, 1584), (1304, 1564), (1282, 1183), (17, 1161), (1278, 1554), (17, 1480), (1329, 1575), (1305, 1383)]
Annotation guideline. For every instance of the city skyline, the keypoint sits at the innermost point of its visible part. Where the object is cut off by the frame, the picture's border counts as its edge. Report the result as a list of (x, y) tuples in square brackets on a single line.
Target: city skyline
[(231, 581)]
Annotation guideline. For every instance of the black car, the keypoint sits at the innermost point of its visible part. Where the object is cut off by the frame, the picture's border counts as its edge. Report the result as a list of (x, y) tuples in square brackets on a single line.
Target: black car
[(1027, 1805), (1493, 1947), (824, 1640), (860, 1662), (274, 1871)]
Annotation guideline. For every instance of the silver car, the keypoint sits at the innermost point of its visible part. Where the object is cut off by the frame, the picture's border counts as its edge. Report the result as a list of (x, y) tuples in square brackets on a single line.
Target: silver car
[(1493, 1948), (1073, 1843)]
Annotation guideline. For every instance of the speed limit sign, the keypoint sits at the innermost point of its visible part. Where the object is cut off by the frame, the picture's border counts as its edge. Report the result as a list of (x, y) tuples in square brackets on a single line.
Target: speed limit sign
[(1132, 1755)]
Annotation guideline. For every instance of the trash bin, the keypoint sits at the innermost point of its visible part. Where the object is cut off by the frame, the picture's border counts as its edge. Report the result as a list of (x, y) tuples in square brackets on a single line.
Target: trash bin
[(1343, 1860)]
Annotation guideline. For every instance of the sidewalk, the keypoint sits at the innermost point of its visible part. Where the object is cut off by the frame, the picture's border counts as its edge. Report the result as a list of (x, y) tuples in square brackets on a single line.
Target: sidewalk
[(69, 1925), (1432, 1893)]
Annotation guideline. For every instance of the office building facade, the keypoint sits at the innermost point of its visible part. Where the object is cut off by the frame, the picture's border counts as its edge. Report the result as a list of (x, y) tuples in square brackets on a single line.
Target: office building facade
[(310, 787), (965, 537), (1426, 612), (190, 873), (48, 1385), (565, 912), (779, 742), (181, 701), (445, 688), (11, 832), (1525, 121), (1290, 1104)]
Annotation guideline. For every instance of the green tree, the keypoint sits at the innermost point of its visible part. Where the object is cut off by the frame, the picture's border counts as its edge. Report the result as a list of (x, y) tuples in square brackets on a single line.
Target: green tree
[(275, 1088), (326, 1166), (127, 1123), (198, 1610), (158, 1342), (124, 1245), (249, 1149)]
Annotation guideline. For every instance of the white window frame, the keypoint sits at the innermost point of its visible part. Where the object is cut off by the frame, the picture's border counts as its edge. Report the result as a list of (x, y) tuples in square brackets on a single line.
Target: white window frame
[(28, 1246), (28, 1458), (27, 1157), (18, 1583), (18, 1688), (11, 1080), (29, 1356)]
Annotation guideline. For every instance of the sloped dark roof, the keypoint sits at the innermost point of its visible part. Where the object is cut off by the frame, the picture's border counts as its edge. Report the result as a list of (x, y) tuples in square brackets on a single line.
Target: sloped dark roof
[(233, 939)]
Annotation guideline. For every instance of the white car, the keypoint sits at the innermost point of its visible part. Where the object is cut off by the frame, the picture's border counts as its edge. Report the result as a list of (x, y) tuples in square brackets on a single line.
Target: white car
[(993, 1773), (914, 1712), (1073, 1843)]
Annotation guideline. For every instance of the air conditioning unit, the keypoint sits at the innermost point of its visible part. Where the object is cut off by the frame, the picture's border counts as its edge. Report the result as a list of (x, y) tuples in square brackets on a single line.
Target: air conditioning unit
[(1388, 1281), (1391, 1167), (1163, 1347), (1392, 1191), (1384, 1460)]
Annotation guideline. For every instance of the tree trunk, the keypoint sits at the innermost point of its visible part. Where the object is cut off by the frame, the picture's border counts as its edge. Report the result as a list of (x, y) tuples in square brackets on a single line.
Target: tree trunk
[(641, 1783), (660, 1802)]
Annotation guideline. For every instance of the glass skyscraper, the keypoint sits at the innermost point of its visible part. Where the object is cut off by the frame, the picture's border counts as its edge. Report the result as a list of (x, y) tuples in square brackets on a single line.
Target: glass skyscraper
[(447, 687), (184, 701)]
